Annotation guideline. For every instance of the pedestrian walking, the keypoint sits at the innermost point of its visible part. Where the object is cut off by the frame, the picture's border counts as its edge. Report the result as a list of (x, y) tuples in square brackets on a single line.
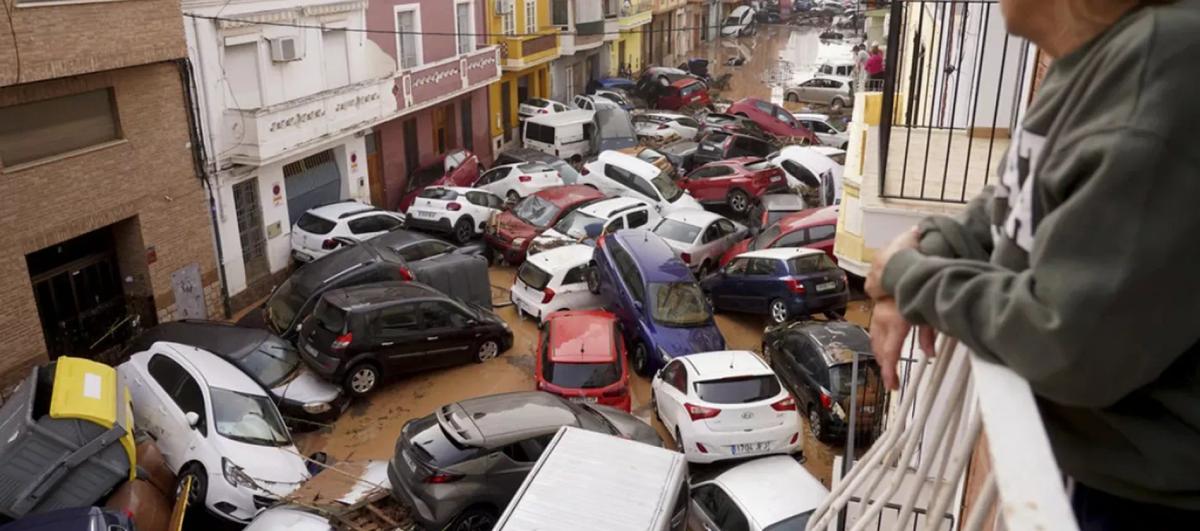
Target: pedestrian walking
[(1077, 269)]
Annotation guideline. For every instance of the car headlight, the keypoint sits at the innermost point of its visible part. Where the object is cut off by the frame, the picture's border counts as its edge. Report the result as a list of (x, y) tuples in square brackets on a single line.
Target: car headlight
[(317, 408), (235, 475), (837, 410), (519, 241)]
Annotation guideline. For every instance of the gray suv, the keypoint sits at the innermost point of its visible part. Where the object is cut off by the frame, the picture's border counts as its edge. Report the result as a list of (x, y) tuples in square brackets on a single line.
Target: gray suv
[(459, 467)]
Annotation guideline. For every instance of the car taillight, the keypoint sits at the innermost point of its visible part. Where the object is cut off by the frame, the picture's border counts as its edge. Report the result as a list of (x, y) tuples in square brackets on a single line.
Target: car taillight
[(543, 111), (342, 341), (329, 244), (687, 257), (701, 412), (700, 446), (454, 207), (795, 436), (796, 285), (547, 295), (786, 404), (826, 400), (525, 178), (405, 274), (438, 478)]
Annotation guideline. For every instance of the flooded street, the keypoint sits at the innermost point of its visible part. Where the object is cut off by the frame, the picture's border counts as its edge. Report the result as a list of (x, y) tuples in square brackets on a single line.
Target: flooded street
[(773, 57)]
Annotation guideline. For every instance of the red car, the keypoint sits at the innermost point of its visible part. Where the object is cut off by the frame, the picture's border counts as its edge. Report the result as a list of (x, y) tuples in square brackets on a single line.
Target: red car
[(814, 228), (683, 93), (773, 119), (454, 168), (738, 182), (581, 356), (515, 229)]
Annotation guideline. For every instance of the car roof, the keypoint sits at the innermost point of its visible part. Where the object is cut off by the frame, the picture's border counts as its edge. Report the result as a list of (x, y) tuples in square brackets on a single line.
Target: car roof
[(781, 253), (460, 189), (562, 258), (705, 366), (809, 217), (771, 489), (341, 209), (606, 207), (693, 216), (582, 337), (568, 195), (223, 339), (656, 259), (811, 116), (665, 114), (827, 150), (739, 10), (563, 118), (498, 420), (355, 297), (680, 83), (527, 155), (215, 371), (313, 274), (631, 163), (782, 202), (838, 339)]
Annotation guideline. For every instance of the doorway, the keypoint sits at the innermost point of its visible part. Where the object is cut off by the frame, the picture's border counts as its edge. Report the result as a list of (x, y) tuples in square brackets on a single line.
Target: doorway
[(311, 181), (506, 110), (375, 169), (248, 209), (468, 129), (621, 58), (443, 128)]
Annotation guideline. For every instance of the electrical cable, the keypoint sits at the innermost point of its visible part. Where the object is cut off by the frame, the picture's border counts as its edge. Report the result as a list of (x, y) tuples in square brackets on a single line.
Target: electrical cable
[(12, 30)]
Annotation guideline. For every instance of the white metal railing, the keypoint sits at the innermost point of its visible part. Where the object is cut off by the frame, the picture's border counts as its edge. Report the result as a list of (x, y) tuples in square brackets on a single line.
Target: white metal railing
[(917, 468)]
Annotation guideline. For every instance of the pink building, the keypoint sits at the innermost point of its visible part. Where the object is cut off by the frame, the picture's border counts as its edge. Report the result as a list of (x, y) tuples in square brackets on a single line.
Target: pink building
[(441, 89)]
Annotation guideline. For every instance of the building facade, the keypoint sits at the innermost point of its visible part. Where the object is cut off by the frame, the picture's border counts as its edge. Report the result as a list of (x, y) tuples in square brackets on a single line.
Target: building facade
[(440, 89), (526, 32), (626, 51), (106, 221), (584, 54), (669, 36)]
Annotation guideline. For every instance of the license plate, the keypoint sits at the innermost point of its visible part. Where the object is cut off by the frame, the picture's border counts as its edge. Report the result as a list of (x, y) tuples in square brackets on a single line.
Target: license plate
[(776, 179), (584, 399), (310, 350), (301, 257), (425, 214), (826, 286), (750, 448)]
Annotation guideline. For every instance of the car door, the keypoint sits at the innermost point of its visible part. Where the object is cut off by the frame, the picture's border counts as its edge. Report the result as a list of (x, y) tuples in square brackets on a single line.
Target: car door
[(483, 205), (716, 511), (492, 180), (760, 286), (630, 291), (512, 463), (448, 338), (398, 340), (704, 183), (821, 237), (462, 168), (616, 181), (711, 239), (727, 293), (176, 393), (637, 218), (672, 394)]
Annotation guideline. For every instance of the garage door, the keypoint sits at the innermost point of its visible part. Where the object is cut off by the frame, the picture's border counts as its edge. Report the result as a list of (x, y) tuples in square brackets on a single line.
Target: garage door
[(311, 181)]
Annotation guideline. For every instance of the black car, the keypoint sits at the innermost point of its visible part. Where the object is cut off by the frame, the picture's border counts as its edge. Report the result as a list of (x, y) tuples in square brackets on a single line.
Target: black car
[(74, 519), (814, 359), (397, 255), (720, 145), (358, 335), (522, 155), (275, 364)]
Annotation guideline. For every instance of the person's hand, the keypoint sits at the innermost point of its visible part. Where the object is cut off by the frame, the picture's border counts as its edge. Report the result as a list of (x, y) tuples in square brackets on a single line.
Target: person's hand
[(888, 331), (908, 239)]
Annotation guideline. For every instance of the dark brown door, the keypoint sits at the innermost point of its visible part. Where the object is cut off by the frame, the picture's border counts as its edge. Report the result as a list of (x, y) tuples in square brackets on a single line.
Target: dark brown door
[(375, 170), (468, 129), (248, 208), (506, 110)]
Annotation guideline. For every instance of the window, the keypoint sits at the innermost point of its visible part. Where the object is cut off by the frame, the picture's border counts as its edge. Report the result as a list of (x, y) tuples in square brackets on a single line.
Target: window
[(408, 43), (373, 224), (426, 249), (629, 274), (531, 25), (761, 266), (797, 238), (485, 200), (529, 450), (738, 390), (165, 372), (190, 399), (737, 267), (712, 233), (642, 187), (559, 13), (398, 319), (675, 376), (494, 174), (801, 174), (821, 232), (41, 129), (436, 314), (241, 75), (539, 133), (508, 19), (464, 24), (315, 224), (812, 263), (577, 275), (617, 174), (616, 225), (764, 107), (726, 227), (720, 508), (638, 218), (337, 69)]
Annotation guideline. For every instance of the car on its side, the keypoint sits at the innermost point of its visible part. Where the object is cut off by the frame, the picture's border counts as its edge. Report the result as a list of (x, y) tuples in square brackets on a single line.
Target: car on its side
[(719, 145), (700, 237), (324, 229), (814, 228), (815, 361), (683, 94), (360, 335), (535, 106), (772, 208), (615, 128), (774, 119), (586, 223), (464, 213), (215, 425), (662, 309), (811, 168), (513, 232), (515, 181), (581, 357), (459, 467), (273, 363), (784, 283), (665, 126), (834, 91), (725, 405), (593, 102), (740, 22), (829, 132), (737, 183), (617, 96), (519, 155), (769, 494), (729, 123), (616, 173), (457, 167), (554, 280)]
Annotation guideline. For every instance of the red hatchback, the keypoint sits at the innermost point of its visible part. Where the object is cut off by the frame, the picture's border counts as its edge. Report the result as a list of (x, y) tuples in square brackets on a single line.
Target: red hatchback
[(581, 356), (513, 230), (454, 168), (814, 228), (683, 93), (773, 119), (736, 182)]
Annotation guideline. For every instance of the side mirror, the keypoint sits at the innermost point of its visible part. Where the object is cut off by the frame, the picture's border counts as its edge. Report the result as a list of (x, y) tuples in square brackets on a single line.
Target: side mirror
[(637, 305), (593, 230), (192, 418)]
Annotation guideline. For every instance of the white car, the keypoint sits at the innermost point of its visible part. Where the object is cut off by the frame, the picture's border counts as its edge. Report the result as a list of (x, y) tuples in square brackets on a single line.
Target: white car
[(739, 22), (607, 215), (808, 165), (617, 97), (825, 129), (834, 91), (616, 173), (215, 425), (725, 405), (554, 280), (665, 126), (323, 229), (591, 103), (769, 493), (290, 518), (461, 212), (515, 181), (700, 237), (837, 155), (535, 106)]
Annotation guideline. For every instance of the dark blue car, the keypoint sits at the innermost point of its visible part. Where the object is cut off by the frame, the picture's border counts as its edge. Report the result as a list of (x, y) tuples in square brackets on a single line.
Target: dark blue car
[(73, 519), (783, 283), (661, 307)]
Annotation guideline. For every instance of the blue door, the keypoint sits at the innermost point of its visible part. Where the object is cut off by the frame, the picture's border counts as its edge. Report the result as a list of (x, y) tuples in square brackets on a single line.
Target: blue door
[(726, 294), (762, 283)]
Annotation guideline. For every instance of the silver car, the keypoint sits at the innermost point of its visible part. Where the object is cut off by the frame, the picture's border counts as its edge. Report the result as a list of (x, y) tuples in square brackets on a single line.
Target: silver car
[(458, 468), (834, 91)]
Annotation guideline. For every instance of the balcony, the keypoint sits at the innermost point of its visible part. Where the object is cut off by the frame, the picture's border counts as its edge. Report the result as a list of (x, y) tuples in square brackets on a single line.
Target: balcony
[(586, 37), (433, 83), (519, 53), (634, 14), (659, 7)]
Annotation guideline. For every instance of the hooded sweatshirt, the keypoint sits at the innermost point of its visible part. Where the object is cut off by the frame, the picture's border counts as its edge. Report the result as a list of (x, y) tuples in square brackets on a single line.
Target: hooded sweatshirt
[(1080, 268)]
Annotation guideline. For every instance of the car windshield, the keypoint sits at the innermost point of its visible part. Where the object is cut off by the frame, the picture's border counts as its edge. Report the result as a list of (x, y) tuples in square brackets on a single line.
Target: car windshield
[(536, 211), (284, 304), (768, 235), (248, 418), (576, 223), (812, 263), (533, 276), (443, 194), (568, 174), (677, 231), (732, 21), (581, 375), (665, 186), (678, 304), (740, 390), (271, 363), (792, 523), (614, 123)]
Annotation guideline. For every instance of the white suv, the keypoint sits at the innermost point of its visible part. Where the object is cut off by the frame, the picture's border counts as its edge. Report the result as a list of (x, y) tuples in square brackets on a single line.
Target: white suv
[(462, 212), (610, 215), (323, 229), (725, 405), (554, 280), (515, 181), (616, 173)]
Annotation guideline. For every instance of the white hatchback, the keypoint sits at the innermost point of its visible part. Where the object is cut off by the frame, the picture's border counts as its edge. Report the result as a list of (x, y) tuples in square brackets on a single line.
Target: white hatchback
[(215, 425), (725, 405), (774, 493), (535, 106), (616, 173), (607, 215), (515, 181), (554, 280), (805, 165), (824, 128), (700, 237), (665, 126), (323, 229), (461, 212)]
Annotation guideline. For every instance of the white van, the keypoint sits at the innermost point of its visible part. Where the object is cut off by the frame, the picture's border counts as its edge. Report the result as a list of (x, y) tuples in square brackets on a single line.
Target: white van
[(590, 481), (567, 135)]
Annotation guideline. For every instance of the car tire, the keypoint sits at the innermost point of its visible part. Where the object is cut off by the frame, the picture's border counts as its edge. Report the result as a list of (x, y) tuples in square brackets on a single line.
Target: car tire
[(836, 105), (706, 269), (199, 490), (474, 519), (593, 280), (792, 97), (778, 312), (489, 349), (640, 353), (739, 201), (464, 230), (816, 424), (362, 379)]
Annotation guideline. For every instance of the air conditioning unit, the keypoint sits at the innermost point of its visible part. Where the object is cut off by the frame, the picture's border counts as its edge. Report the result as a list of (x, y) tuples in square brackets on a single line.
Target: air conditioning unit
[(284, 49), (503, 7)]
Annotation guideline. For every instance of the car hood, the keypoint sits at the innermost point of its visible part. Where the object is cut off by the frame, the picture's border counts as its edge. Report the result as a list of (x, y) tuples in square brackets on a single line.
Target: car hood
[(278, 469), (686, 201), (629, 426), (688, 340), (306, 387), (513, 227), (738, 248)]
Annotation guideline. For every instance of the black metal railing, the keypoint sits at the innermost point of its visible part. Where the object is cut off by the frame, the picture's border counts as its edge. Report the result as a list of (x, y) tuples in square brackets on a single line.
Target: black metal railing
[(952, 91)]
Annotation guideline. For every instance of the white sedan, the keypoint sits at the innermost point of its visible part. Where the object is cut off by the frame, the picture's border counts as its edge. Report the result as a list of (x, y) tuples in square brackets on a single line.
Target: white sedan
[(769, 493), (615, 173), (824, 128), (515, 181), (665, 126), (461, 212), (725, 405), (323, 229), (700, 237), (215, 425), (554, 280)]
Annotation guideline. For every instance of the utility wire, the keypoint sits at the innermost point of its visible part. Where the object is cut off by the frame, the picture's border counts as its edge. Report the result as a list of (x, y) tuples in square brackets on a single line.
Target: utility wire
[(12, 29)]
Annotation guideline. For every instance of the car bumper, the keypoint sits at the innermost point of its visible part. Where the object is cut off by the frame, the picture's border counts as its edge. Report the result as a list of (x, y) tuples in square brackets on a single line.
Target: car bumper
[(719, 446), (305, 256), (237, 504), (526, 305), (818, 303), (421, 513), (328, 367), (506, 250), (310, 421), (425, 224)]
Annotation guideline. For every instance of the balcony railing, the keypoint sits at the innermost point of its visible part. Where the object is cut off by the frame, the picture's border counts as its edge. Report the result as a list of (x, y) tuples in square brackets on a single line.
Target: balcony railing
[(520, 52), (635, 13), (933, 462)]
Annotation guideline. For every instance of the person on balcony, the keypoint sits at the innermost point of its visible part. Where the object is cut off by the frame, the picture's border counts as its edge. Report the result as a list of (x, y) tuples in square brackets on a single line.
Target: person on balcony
[(875, 67), (1078, 269)]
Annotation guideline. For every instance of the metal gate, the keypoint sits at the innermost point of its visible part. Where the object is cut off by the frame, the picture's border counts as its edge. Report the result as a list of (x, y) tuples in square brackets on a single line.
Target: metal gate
[(250, 229), (311, 181)]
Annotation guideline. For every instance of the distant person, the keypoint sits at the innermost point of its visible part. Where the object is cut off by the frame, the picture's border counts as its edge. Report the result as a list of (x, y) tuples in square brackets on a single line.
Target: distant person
[(875, 67)]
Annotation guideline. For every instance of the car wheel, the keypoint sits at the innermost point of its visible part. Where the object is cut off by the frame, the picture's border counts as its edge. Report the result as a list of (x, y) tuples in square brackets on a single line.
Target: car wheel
[(738, 201), (487, 350), (640, 358), (815, 424), (778, 311), (464, 230), (836, 104), (792, 97), (706, 269), (362, 379), (593, 280), (474, 519), (199, 491)]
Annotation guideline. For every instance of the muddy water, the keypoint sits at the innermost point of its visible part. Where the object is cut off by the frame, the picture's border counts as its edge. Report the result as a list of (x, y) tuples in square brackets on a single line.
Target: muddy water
[(773, 57)]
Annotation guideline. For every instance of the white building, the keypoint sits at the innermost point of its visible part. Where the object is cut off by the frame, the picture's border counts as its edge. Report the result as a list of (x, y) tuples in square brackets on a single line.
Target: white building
[(286, 98)]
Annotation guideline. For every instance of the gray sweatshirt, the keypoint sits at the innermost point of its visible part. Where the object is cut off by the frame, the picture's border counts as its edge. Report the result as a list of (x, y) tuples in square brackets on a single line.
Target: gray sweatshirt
[(1080, 268)]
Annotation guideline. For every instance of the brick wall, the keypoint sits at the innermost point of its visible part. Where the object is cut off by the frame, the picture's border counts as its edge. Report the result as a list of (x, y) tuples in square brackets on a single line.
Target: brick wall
[(149, 177)]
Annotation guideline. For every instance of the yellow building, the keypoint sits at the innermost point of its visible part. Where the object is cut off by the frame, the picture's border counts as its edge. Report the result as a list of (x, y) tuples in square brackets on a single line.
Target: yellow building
[(524, 59), (626, 51)]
